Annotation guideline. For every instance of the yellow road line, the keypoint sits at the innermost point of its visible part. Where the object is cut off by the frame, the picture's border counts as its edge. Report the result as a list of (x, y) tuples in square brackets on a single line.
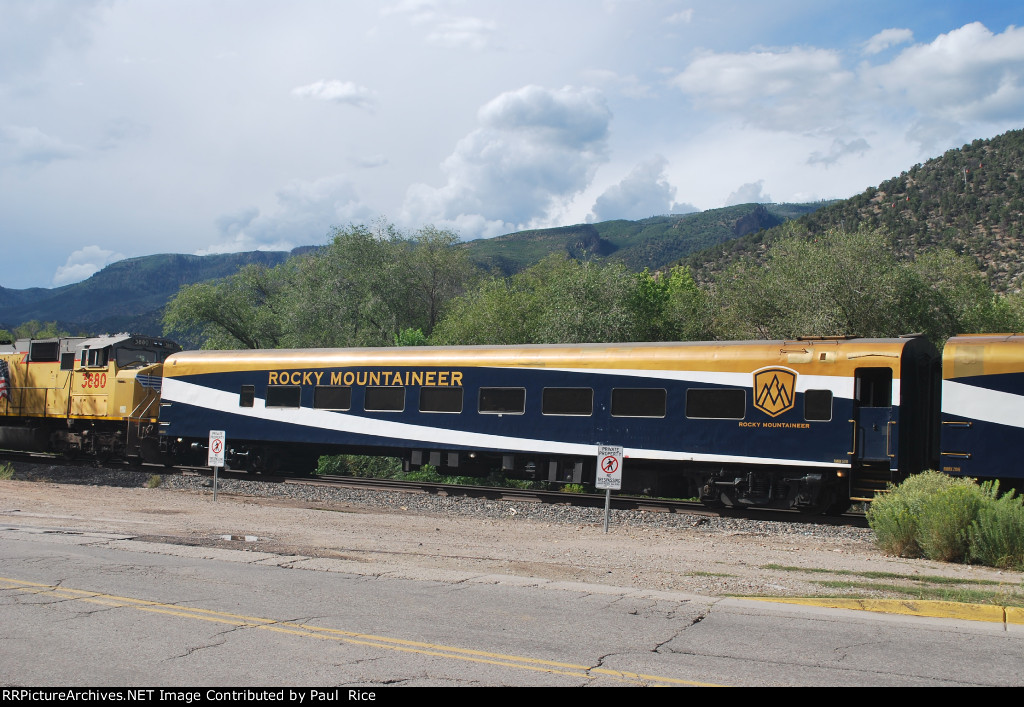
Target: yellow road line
[(351, 637)]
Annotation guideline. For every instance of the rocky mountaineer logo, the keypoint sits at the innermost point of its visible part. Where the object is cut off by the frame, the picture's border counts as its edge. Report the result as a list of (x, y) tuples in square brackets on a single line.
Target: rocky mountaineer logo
[(774, 390)]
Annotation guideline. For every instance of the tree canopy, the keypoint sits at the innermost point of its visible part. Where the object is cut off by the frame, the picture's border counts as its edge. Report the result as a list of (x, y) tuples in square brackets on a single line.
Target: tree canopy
[(852, 283), (368, 286), (377, 286), (561, 300)]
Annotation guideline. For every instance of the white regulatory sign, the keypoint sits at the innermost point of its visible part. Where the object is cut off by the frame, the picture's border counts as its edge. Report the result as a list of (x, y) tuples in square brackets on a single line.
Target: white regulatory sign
[(217, 444), (609, 468)]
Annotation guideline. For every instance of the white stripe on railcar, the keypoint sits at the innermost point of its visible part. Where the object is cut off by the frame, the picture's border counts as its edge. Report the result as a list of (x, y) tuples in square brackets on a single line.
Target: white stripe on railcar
[(982, 404), (176, 390)]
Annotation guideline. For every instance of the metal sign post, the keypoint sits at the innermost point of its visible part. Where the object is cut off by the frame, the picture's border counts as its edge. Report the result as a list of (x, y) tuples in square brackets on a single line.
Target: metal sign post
[(609, 475), (216, 456)]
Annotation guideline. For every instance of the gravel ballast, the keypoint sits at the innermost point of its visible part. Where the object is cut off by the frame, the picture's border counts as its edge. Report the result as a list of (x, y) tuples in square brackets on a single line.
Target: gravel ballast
[(425, 535)]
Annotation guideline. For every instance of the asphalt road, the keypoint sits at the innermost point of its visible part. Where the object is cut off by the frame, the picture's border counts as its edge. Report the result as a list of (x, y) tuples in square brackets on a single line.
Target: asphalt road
[(86, 608)]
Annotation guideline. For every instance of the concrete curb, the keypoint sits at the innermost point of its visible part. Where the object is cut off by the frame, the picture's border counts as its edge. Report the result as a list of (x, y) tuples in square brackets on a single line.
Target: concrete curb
[(910, 607)]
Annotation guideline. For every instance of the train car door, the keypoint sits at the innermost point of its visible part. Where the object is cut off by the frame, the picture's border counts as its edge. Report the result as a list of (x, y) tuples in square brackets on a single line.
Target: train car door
[(873, 413)]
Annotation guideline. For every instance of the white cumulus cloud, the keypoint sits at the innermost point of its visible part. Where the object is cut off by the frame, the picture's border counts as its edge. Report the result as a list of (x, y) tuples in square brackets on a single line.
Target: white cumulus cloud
[(30, 145), (463, 32), (887, 38), (681, 17), (534, 149), (644, 192), (749, 193), (838, 150), (304, 214), (790, 89), (337, 92), (969, 74), (83, 263)]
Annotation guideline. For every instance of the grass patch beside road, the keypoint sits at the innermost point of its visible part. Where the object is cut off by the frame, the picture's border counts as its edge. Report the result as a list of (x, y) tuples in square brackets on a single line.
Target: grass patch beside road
[(914, 586)]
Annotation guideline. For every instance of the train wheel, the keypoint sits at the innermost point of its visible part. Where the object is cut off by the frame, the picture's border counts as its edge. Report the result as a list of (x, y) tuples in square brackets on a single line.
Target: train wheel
[(838, 508), (267, 461)]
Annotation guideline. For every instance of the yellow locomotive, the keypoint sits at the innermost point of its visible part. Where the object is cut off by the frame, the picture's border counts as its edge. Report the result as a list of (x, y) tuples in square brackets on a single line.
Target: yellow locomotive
[(98, 395)]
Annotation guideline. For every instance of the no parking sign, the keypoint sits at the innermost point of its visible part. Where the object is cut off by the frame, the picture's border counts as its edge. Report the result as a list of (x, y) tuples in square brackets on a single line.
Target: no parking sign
[(609, 468)]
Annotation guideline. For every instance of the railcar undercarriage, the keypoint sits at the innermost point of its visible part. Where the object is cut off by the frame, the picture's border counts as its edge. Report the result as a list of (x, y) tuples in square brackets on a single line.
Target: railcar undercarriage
[(103, 439), (813, 491)]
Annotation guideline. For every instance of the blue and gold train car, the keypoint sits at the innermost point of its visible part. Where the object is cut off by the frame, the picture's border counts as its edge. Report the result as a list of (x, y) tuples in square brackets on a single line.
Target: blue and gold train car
[(807, 424), (983, 406), (94, 395)]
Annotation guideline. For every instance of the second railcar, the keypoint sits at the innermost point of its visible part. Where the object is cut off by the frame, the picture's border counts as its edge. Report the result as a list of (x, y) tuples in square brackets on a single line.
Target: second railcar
[(983, 407)]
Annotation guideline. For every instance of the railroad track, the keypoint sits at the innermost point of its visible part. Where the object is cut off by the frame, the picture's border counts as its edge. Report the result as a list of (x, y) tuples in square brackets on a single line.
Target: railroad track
[(617, 502), (634, 503)]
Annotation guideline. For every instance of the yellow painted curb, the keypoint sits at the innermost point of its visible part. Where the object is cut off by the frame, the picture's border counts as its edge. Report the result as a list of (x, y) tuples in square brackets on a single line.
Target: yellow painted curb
[(1014, 615), (935, 609)]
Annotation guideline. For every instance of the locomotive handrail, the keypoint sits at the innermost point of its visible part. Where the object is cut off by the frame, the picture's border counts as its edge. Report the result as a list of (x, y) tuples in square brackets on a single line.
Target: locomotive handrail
[(888, 437), (146, 402), (854, 452)]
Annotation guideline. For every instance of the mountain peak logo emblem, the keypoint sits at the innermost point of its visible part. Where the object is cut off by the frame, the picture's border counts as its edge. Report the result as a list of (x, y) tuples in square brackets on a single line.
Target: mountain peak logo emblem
[(774, 390)]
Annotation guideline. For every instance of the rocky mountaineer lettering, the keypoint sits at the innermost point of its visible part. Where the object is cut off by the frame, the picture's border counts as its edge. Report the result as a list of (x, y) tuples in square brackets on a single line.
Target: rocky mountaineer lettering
[(433, 379)]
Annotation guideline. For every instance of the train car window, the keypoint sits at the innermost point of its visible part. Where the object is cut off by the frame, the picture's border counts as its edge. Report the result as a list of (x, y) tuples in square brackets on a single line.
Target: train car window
[(440, 399), (246, 396), (67, 361), (639, 402), (283, 396), (510, 401), (97, 357), (716, 403), (873, 387), (567, 401), (818, 405), (140, 357), (332, 397), (384, 398)]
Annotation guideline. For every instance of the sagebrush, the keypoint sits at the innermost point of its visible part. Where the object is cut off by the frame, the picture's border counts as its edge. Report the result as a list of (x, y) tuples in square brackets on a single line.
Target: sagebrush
[(951, 520)]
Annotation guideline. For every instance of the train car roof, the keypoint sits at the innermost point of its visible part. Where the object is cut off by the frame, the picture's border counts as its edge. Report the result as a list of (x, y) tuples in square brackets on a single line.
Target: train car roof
[(714, 356), (969, 355), (96, 342)]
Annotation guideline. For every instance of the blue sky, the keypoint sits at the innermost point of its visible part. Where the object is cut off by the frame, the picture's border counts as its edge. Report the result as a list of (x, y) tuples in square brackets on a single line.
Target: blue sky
[(205, 126)]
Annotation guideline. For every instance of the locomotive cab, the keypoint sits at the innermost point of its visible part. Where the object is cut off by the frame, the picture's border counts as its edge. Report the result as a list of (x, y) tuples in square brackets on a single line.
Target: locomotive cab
[(97, 395)]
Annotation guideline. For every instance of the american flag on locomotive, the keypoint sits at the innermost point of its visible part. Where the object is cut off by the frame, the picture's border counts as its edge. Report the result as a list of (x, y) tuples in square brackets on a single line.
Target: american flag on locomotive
[(5, 374)]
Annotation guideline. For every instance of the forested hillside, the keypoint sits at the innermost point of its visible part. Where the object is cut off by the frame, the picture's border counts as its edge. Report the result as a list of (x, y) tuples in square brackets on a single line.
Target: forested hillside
[(653, 243), (128, 295), (969, 200)]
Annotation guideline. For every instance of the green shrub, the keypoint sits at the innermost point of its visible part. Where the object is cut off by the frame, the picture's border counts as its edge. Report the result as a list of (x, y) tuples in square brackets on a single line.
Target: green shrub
[(154, 481), (426, 473), (6, 471), (950, 519), (945, 518), (895, 515), (997, 536), (359, 465)]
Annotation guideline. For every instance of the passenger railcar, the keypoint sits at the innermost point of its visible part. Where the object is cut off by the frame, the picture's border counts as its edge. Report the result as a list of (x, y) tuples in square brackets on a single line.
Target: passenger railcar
[(93, 395), (807, 424), (983, 406)]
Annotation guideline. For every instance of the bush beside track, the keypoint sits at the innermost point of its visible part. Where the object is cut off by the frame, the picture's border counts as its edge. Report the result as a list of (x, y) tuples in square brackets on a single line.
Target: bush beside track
[(951, 520)]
